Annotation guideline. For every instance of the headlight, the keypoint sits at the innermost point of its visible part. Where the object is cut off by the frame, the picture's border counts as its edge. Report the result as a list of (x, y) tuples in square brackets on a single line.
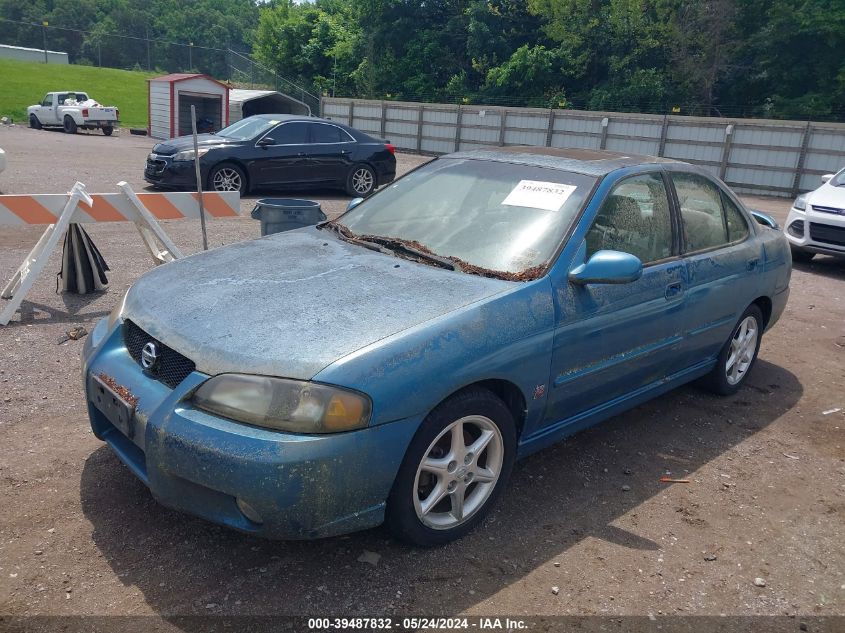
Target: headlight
[(801, 202), (117, 312), (283, 404), (188, 154)]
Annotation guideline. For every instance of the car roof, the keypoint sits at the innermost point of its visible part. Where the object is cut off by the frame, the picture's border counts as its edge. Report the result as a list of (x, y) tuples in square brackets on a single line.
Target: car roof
[(295, 117), (590, 162)]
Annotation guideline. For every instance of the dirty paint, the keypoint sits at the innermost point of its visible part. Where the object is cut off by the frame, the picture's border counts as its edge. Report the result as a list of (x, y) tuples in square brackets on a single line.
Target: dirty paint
[(304, 304)]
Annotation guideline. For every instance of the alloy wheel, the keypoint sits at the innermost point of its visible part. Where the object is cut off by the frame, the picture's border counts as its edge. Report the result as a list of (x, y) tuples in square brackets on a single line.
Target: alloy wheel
[(362, 180), (459, 472), (741, 354), (227, 179)]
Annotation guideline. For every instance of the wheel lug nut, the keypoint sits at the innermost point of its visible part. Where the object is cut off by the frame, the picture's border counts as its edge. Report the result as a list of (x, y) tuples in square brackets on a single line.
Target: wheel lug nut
[(468, 458), (452, 467)]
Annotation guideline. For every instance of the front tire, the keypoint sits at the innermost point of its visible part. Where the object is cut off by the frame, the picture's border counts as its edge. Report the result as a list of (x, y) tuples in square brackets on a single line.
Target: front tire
[(738, 355), (454, 469), (227, 177), (34, 123), (800, 255), (69, 125), (361, 181)]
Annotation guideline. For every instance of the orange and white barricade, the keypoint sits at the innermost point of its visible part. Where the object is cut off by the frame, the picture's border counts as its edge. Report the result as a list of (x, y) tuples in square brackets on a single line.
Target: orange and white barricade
[(59, 210)]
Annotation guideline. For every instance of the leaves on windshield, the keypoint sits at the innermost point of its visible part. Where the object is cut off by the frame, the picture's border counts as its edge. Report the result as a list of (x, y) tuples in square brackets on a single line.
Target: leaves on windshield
[(525, 275)]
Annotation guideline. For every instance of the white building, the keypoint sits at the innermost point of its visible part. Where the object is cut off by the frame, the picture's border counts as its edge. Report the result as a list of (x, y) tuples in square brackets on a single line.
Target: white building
[(170, 100), (32, 54)]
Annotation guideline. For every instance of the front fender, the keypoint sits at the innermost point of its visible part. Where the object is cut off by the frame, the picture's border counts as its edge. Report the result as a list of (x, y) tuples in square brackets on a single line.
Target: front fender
[(506, 337)]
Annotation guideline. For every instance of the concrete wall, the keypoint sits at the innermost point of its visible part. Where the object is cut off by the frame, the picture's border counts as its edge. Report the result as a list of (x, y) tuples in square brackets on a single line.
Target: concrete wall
[(32, 54), (754, 156)]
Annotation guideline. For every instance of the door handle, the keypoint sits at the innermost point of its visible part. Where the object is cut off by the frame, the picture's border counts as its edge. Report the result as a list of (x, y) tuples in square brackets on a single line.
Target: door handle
[(751, 264), (302, 154), (674, 289)]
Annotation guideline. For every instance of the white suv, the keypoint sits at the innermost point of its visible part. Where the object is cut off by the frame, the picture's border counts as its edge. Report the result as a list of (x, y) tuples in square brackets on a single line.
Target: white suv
[(816, 222)]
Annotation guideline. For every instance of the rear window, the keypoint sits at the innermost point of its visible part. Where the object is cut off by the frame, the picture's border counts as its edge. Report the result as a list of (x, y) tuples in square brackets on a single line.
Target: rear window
[(321, 133)]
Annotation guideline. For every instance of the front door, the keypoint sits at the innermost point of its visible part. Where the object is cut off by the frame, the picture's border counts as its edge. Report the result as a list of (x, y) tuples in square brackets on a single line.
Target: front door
[(285, 162), (613, 340)]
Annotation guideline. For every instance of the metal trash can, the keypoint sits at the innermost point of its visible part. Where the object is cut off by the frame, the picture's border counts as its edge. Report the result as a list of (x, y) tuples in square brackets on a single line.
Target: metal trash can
[(285, 214)]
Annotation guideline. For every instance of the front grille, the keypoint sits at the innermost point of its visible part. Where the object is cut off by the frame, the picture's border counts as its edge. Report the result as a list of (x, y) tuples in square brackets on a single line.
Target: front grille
[(797, 228), (834, 210), (155, 165), (171, 367), (827, 234)]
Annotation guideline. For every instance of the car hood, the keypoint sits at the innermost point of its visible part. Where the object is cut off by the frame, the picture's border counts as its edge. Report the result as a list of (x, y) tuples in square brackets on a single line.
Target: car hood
[(181, 143), (292, 303), (828, 196)]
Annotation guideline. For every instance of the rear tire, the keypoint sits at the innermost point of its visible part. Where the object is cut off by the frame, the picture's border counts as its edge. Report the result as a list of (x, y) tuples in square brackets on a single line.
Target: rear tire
[(738, 355), (108, 131), (34, 123), (800, 255), (69, 125), (454, 469), (361, 181)]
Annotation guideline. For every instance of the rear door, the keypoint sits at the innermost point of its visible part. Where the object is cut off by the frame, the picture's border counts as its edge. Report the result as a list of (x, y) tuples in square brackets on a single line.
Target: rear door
[(723, 263), (613, 340), (330, 152), (285, 162)]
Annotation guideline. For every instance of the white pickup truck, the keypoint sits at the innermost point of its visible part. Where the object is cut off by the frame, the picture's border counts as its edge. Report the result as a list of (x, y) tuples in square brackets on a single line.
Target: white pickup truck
[(72, 110)]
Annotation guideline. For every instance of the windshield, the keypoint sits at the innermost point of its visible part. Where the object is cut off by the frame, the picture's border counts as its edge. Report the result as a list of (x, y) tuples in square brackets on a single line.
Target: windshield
[(839, 179), (246, 129), (500, 217)]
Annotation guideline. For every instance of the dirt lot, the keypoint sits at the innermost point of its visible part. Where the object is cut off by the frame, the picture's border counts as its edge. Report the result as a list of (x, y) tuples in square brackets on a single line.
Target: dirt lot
[(80, 535)]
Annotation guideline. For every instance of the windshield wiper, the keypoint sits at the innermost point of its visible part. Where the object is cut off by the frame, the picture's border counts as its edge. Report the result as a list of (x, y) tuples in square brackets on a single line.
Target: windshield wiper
[(396, 244), (348, 236)]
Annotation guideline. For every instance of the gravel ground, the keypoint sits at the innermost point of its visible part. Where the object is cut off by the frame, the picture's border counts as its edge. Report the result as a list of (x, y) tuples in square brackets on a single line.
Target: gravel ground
[(79, 535)]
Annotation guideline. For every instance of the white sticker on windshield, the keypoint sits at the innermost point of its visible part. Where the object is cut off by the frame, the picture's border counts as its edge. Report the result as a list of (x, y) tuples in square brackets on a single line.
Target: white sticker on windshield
[(539, 195)]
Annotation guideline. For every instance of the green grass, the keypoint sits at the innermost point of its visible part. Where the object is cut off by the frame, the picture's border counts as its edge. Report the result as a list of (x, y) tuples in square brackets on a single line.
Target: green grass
[(26, 83)]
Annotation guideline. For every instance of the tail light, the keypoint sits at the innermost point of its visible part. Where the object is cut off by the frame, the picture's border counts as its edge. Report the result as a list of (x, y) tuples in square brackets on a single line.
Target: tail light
[(390, 148), (85, 112), (116, 113)]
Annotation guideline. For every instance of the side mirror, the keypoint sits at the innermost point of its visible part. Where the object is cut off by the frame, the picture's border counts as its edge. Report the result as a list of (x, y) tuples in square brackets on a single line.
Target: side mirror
[(608, 267), (764, 218), (826, 178), (266, 142), (354, 203)]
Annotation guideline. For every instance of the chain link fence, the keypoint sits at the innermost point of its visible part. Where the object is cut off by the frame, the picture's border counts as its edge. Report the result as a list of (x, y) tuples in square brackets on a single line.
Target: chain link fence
[(142, 52)]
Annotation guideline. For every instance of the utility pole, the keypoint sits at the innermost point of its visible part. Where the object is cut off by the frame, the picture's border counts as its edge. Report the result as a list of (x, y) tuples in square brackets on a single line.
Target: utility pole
[(99, 55), (44, 25), (190, 56), (334, 74), (148, 48)]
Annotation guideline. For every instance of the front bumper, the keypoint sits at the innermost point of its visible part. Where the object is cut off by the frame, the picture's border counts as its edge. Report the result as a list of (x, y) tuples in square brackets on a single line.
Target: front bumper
[(815, 231), (164, 172), (302, 486)]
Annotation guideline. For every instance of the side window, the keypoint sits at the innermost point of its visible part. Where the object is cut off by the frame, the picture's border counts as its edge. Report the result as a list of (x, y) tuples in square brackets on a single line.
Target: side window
[(634, 219), (291, 134), (737, 226), (322, 133), (48, 101), (701, 212)]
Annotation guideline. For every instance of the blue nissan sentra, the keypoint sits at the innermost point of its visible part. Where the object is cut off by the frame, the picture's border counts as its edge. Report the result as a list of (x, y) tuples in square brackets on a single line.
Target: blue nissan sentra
[(391, 365)]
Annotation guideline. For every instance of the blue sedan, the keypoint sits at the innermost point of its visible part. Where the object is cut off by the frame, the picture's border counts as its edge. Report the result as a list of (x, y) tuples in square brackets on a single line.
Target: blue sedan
[(390, 366)]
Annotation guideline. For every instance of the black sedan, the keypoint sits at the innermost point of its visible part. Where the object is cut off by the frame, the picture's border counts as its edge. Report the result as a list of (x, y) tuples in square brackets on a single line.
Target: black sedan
[(276, 151)]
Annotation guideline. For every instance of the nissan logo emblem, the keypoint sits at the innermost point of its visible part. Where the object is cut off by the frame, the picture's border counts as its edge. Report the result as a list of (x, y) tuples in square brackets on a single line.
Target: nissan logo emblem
[(149, 355)]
